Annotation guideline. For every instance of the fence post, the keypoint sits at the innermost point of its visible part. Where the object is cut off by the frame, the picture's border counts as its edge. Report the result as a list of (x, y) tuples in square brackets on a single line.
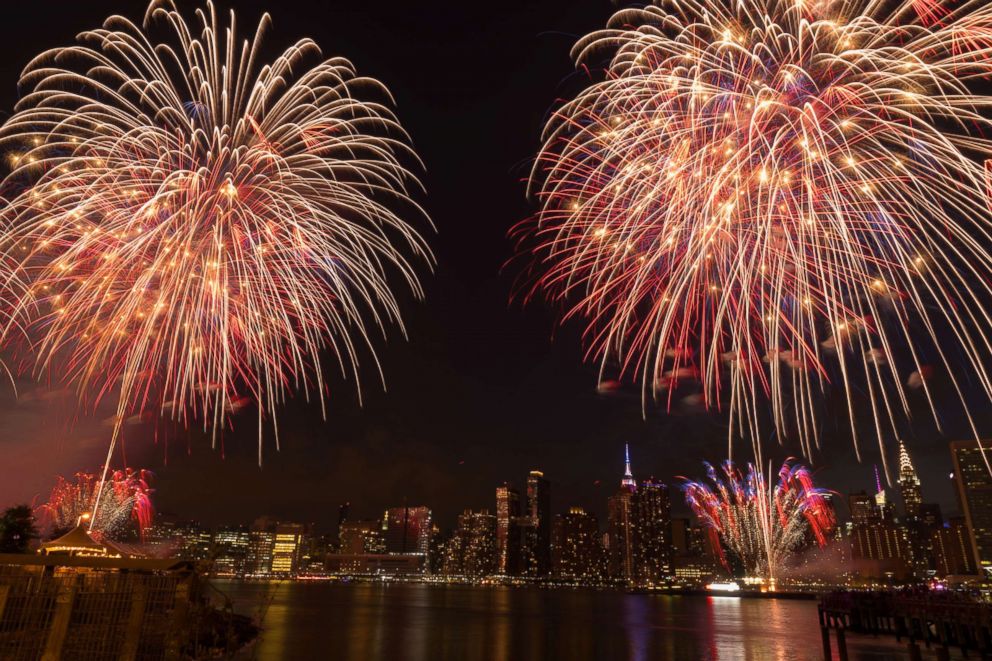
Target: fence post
[(60, 619), (132, 634), (179, 624), (4, 591)]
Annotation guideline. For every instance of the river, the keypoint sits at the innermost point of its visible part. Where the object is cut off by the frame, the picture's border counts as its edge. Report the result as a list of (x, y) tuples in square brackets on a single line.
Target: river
[(420, 622)]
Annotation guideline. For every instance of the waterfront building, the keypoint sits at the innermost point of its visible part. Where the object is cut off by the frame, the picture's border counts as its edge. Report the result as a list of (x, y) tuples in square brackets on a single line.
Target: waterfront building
[(375, 564), (538, 539), (230, 551), (507, 534), (973, 483), (576, 549), (358, 537), (472, 551), (652, 535), (286, 548), (261, 541), (407, 529), (194, 541), (952, 550), (621, 526)]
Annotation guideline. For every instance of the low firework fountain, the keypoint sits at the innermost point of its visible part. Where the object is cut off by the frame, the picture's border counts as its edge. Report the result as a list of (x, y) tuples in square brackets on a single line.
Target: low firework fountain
[(126, 502), (757, 523)]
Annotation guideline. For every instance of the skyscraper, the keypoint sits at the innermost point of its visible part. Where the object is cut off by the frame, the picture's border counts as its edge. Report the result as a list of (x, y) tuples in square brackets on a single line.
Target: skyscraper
[(286, 548), (974, 488), (407, 529), (909, 483), (361, 537), (507, 538), (952, 549), (472, 551), (621, 526), (652, 522), (576, 549), (539, 513), (231, 551)]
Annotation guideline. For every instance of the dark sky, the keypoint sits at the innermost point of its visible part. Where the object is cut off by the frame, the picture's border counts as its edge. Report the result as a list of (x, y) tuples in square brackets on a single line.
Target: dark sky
[(483, 391)]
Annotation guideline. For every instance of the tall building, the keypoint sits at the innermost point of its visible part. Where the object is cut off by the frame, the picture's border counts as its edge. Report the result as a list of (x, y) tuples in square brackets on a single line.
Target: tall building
[(879, 547), (507, 536), (359, 537), (472, 551), (952, 549), (230, 552), (621, 527), (260, 544), (974, 488), (652, 523), (538, 539), (576, 549), (407, 529), (909, 483), (286, 547)]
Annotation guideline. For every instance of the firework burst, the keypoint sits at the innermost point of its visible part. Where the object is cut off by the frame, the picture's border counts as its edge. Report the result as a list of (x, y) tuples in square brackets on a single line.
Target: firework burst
[(125, 502), (776, 198), (756, 523), (192, 228)]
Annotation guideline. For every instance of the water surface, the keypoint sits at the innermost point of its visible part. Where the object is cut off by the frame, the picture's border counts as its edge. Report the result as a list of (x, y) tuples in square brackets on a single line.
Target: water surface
[(416, 622)]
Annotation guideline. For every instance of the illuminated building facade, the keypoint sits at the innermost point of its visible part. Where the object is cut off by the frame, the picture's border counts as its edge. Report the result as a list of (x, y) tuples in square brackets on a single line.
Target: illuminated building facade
[(974, 490), (472, 551), (286, 548), (357, 537), (576, 549), (230, 552), (621, 533), (909, 483), (537, 537), (507, 534), (407, 529), (652, 522), (953, 554)]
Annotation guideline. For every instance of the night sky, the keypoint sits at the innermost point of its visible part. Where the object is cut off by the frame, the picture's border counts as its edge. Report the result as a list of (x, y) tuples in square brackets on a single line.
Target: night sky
[(485, 389)]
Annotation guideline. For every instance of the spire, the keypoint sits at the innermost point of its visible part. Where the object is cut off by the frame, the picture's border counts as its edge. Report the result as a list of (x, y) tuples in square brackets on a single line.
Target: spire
[(628, 476), (878, 481), (905, 464)]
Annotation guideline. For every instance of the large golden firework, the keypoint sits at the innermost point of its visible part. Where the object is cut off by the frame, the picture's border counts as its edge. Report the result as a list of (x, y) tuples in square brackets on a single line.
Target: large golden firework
[(191, 227), (776, 198)]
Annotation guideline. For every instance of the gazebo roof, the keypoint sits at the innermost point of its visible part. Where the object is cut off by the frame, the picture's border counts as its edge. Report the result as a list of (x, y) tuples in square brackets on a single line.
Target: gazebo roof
[(78, 542)]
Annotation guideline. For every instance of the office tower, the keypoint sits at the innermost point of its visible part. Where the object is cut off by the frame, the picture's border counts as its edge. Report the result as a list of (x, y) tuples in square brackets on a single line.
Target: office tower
[(361, 537), (952, 549), (472, 550), (194, 540), (230, 552), (576, 550), (862, 507), (538, 539), (974, 489), (286, 548), (435, 551), (407, 529), (909, 483), (931, 516), (261, 541), (621, 527), (507, 537), (879, 547), (652, 535)]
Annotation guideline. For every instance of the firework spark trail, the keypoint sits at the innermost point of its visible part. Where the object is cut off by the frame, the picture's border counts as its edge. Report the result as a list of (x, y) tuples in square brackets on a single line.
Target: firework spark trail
[(190, 227), (756, 522), (126, 501), (778, 196)]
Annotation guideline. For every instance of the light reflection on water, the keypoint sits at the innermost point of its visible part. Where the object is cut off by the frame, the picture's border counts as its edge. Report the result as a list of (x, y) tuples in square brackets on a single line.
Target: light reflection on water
[(414, 622)]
